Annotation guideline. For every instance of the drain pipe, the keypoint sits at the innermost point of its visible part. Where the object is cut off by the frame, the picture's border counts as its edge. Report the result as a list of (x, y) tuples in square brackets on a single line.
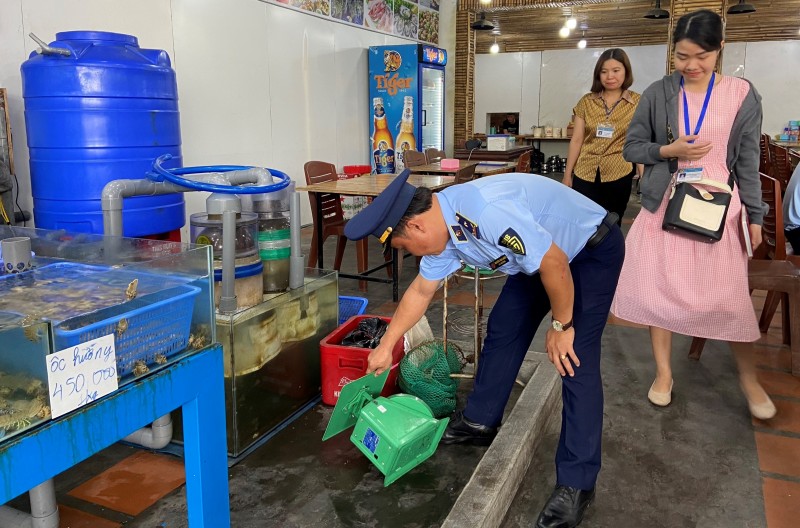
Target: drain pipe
[(156, 436), (228, 206), (296, 261), (44, 509)]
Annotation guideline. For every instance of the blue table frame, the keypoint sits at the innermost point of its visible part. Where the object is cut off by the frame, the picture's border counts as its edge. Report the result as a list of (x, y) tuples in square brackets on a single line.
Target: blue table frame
[(194, 383)]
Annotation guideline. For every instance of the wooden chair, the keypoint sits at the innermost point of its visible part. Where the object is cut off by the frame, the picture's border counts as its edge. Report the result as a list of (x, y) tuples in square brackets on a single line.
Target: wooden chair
[(466, 174), (333, 221), (794, 160), (434, 155), (781, 170), (773, 271), (774, 248), (414, 158), (765, 160), (524, 162)]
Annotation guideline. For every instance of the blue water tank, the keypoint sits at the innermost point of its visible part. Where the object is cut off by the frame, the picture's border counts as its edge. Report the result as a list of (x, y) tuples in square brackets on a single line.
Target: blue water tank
[(102, 113)]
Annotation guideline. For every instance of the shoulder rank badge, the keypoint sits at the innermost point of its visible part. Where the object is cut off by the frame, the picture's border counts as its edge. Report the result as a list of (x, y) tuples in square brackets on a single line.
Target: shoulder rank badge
[(469, 225), (499, 261), (512, 241), (458, 232)]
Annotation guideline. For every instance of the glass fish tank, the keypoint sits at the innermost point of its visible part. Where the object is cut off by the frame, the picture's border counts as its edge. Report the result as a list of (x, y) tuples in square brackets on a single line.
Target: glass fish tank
[(272, 358), (152, 300)]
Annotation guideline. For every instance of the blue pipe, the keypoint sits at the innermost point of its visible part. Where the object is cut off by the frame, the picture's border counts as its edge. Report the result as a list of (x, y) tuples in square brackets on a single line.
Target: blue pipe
[(173, 176)]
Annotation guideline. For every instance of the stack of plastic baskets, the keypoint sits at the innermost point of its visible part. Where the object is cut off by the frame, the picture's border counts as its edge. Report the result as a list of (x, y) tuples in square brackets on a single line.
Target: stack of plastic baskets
[(350, 306)]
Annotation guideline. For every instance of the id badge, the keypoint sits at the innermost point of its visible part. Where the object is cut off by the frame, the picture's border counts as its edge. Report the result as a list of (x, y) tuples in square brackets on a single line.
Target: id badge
[(690, 175), (605, 130)]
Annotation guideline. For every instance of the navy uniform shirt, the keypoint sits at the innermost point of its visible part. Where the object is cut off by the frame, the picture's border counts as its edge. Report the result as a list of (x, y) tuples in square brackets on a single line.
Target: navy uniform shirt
[(508, 222)]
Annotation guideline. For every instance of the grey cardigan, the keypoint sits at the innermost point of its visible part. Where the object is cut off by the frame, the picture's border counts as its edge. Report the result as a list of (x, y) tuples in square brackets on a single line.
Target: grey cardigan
[(658, 109)]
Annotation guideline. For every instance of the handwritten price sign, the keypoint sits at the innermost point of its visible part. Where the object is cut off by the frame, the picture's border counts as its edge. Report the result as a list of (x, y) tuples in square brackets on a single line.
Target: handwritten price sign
[(81, 374)]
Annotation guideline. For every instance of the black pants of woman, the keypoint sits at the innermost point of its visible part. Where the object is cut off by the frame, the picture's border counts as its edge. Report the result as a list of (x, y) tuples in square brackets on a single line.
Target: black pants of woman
[(612, 195)]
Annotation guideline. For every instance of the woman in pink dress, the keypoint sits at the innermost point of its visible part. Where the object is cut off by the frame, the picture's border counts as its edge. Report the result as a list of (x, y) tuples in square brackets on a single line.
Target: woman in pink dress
[(710, 124)]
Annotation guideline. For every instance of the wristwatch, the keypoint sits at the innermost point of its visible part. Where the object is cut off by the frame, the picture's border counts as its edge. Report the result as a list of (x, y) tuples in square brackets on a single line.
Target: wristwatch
[(558, 326)]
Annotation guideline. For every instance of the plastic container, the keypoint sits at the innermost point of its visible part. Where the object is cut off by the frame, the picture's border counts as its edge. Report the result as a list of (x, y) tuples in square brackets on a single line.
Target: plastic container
[(247, 283), (206, 229), (342, 364), (350, 306), (103, 113), (274, 236)]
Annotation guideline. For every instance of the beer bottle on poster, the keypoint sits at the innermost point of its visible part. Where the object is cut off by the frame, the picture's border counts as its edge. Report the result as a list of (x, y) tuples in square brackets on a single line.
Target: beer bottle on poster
[(405, 139), (382, 145)]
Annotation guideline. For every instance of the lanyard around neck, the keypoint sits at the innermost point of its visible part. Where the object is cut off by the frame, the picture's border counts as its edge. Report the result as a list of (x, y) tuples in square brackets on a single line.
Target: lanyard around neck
[(702, 111), (605, 106)]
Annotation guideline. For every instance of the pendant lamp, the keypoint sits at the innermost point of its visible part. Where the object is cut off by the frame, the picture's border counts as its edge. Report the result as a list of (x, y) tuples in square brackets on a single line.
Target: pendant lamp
[(657, 13)]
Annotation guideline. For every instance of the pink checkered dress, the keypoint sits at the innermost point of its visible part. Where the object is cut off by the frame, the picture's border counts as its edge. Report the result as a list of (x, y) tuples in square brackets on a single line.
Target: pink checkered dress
[(689, 287)]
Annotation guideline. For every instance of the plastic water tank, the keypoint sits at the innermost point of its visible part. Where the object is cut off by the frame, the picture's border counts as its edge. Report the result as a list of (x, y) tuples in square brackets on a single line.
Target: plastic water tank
[(102, 113)]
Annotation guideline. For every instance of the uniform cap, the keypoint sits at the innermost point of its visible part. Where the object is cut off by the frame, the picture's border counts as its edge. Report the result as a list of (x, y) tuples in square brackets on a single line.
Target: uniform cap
[(381, 216)]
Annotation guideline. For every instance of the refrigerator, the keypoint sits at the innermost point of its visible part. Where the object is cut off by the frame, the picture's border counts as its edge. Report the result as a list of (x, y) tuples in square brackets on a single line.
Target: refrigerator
[(406, 96)]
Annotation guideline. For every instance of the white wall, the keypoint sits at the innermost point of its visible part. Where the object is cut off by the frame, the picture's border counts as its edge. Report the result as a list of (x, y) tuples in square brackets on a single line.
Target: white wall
[(544, 86), (258, 84)]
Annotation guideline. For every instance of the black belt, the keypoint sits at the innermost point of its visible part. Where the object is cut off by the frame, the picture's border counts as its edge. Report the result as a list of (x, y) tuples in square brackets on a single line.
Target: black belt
[(603, 230)]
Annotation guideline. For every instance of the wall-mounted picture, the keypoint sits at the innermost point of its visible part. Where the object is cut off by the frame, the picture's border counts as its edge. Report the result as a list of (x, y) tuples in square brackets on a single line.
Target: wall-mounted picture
[(348, 10), (406, 19), (430, 4), (379, 15), (321, 7), (429, 26)]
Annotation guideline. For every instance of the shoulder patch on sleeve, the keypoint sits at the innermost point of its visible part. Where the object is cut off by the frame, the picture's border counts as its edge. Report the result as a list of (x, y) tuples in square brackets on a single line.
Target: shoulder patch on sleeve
[(511, 240), (469, 225)]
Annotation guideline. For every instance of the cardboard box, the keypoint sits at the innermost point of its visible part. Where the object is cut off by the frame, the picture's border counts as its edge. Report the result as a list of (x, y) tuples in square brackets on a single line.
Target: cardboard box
[(500, 142)]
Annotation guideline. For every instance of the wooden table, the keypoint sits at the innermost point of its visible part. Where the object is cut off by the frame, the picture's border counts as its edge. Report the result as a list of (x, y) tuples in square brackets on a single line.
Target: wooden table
[(482, 169), (370, 185), (483, 154)]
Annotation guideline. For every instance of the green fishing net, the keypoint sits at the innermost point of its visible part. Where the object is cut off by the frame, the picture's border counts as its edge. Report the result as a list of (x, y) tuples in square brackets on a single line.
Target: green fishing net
[(425, 373)]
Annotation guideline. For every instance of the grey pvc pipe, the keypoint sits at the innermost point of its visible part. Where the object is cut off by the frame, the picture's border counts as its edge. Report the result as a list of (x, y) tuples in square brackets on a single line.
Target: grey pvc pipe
[(156, 436), (296, 261), (44, 509), (227, 301), (114, 191)]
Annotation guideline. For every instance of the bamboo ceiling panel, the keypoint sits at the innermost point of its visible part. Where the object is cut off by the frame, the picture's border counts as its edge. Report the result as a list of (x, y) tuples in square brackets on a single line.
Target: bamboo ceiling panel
[(532, 25)]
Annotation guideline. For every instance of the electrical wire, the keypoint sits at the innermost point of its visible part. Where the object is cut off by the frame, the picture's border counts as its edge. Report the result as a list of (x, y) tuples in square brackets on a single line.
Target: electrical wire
[(3, 213)]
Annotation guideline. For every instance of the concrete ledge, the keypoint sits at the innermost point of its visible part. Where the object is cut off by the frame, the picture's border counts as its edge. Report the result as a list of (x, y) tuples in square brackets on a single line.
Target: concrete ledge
[(487, 496)]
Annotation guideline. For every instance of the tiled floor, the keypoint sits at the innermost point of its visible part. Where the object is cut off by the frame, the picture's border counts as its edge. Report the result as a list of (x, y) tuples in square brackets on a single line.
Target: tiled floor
[(778, 439)]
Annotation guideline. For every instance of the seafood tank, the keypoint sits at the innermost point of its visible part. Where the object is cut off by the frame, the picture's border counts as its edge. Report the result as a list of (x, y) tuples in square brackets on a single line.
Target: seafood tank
[(272, 358), (153, 298)]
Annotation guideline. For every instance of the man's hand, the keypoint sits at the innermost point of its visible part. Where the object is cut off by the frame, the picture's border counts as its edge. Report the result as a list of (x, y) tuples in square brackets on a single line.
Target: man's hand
[(560, 351), (380, 359)]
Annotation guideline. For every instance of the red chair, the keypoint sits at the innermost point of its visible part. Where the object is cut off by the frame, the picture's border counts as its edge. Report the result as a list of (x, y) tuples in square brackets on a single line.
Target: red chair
[(333, 221)]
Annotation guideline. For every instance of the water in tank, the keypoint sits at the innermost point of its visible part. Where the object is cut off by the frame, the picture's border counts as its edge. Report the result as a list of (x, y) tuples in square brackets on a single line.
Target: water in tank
[(103, 111)]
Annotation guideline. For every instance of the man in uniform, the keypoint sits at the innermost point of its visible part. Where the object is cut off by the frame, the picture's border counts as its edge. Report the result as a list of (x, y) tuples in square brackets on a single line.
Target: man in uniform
[(562, 252)]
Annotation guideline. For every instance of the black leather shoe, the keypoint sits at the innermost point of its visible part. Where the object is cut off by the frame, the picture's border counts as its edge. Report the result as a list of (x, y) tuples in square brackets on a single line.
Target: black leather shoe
[(462, 431), (565, 508)]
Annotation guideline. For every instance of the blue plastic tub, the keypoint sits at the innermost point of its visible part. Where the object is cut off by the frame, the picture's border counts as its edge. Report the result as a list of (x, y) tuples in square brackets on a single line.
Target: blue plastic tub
[(350, 306), (156, 323)]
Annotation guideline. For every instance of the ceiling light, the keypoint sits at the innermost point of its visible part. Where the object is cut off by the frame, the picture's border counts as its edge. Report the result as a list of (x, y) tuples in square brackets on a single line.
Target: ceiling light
[(495, 48), (582, 44), (486, 1), (482, 24), (657, 13), (572, 23), (563, 32), (741, 8)]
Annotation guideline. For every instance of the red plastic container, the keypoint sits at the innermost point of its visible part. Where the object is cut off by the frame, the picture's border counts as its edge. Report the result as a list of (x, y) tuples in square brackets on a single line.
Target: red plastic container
[(356, 170), (342, 364)]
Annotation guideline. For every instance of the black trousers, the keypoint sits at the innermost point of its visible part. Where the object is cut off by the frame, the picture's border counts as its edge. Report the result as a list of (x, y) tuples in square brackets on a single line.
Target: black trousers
[(513, 321), (793, 237), (613, 196)]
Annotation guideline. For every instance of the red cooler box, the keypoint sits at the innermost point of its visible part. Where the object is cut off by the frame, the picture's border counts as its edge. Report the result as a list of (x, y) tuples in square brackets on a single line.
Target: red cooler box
[(341, 364)]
